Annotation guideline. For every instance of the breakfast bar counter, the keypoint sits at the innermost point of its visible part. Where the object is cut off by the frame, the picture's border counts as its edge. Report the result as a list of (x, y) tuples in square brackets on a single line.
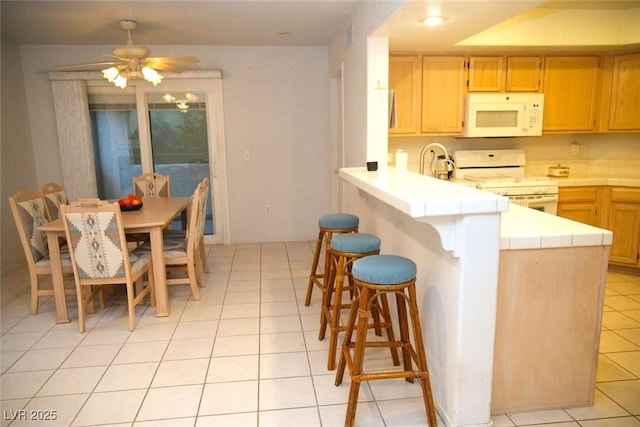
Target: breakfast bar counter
[(473, 250)]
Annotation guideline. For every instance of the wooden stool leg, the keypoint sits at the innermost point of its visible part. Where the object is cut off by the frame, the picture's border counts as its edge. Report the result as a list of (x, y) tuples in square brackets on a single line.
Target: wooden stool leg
[(346, 343), (358, 357), (375, 314), (404, 334), (314, 268), (386, 315), (338, 281), (327, 296), (422, 358)]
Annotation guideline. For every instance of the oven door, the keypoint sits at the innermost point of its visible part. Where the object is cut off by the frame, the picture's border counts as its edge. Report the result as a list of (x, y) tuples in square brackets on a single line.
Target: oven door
[(547, 203)]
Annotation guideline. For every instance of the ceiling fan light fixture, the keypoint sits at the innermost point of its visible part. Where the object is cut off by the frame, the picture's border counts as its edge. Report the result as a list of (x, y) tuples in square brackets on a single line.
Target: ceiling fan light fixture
[(110, 74), (151, 75), (120, 82)]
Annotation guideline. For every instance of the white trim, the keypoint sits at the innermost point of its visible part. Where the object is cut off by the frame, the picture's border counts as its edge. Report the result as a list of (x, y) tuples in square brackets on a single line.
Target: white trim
[(95, 77)]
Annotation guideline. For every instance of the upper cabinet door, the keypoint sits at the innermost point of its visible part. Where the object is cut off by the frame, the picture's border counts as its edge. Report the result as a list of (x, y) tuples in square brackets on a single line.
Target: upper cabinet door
[(404, 93), (486, 74), (570, 91), (624, 110), (523, 73), (443, 83)]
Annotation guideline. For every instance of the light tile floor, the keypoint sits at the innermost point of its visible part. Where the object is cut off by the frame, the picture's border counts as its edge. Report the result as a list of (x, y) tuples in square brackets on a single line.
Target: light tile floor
[(247, 354)]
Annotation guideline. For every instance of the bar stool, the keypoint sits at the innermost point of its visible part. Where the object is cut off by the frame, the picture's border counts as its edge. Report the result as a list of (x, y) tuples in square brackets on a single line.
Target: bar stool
[(328, 224), (375, 275), (345, 249)]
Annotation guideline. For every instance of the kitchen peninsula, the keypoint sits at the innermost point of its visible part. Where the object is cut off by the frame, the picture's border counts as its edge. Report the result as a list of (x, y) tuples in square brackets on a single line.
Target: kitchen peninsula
[(470, 247)]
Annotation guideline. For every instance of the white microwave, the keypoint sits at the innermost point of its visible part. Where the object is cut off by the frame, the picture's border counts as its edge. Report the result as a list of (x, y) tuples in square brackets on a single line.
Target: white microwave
[(503, 114)]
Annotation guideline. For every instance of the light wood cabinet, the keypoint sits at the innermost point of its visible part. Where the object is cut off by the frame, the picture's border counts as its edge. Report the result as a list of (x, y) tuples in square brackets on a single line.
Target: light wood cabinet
[(622, 217), (582, 204), (486, 74), (624, 107), (582, 93), (499, 74), (404, 81), (523, 73), (548, 320), (570, 89), (443, 79)]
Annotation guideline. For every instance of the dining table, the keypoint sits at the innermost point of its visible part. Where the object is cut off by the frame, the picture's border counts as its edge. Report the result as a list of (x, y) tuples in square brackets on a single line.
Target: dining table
[(155, 215)]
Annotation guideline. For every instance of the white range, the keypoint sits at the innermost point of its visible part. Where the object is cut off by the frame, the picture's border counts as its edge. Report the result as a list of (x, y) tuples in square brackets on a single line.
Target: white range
[(503, 172)]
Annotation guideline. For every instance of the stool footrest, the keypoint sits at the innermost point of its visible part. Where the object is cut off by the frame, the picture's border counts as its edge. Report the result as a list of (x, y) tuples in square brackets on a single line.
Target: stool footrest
[(390, 375)]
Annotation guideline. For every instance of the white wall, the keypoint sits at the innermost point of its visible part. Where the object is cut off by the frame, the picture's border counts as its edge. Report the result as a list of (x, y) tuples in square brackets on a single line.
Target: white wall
[(356, 62), (18, 167), (276, 106)]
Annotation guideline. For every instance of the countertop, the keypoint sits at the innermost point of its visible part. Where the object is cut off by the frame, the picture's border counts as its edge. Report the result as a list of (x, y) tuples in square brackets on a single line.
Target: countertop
[(524, 228), (583, 180), (422, 196)]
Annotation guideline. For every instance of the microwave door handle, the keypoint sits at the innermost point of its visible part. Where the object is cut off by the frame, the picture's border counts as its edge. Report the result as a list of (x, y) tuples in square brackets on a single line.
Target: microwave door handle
[(525, 117)]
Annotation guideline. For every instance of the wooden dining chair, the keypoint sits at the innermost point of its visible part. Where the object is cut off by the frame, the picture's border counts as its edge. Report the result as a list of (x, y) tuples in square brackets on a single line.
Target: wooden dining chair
[(152, 185), (54, 196), (29, 212), (183, 253), (100, 256), (181, 234)]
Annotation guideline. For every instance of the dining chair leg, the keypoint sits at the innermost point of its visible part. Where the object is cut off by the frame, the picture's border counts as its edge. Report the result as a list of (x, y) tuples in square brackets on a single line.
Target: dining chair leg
[(131, 306), (195, 292), (152, 286), (203, 255), (34, 292)]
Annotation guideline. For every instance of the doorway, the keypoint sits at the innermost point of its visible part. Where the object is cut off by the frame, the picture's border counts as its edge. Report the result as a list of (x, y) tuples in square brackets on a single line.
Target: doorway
[(173, 130)]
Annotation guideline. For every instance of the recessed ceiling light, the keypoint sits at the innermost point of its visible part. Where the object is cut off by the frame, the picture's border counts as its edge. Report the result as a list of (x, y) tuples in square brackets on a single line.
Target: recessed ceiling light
[(433, 20)]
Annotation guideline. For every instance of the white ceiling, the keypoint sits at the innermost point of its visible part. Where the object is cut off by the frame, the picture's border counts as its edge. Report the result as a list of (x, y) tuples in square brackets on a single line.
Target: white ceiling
[(316, 22)]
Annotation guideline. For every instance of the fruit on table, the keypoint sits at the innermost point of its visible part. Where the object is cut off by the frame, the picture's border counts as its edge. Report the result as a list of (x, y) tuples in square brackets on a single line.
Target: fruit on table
[(130, 200)]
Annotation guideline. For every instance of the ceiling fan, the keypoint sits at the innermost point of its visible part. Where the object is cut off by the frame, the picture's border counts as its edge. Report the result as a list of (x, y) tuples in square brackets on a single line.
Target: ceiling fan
[(132, 61)]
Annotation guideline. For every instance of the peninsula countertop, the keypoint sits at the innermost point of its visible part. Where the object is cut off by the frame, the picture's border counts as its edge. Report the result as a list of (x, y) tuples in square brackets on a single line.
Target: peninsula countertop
[(597, 180), (521, 228), (422, 196)]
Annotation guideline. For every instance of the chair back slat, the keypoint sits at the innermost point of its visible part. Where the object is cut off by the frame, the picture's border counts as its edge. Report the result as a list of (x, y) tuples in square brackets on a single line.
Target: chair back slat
[(96, 239), (152, 185), (192, 223), (29, 213), (54, 196), (202, 211)]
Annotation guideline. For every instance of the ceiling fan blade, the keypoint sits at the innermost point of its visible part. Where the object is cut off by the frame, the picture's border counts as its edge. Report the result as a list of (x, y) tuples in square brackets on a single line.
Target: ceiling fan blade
[(85, 65), (175, 59), (166, 67)]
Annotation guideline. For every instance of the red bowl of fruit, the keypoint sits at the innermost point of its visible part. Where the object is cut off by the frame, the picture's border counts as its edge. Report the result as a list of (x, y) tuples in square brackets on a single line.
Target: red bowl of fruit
[(130, 203)]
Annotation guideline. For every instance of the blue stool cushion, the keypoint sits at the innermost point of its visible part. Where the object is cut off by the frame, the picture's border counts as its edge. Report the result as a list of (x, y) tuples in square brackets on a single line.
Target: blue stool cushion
[(355, 243), (384, 269), (338, 220)]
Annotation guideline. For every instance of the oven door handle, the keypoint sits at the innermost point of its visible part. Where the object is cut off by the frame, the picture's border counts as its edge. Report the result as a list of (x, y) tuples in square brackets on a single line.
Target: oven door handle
[(544, 199)]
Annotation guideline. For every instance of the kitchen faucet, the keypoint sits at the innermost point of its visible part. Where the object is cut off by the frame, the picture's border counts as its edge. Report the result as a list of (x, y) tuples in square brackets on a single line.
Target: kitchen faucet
[(443, 166)]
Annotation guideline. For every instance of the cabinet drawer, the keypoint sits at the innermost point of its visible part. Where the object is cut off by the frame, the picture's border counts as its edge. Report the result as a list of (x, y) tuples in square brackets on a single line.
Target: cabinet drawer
[(578, 194), (623, 194)]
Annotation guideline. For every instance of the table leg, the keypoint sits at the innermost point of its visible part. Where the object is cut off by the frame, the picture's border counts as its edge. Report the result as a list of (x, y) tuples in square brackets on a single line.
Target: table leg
[(56, 277), (159, 272)]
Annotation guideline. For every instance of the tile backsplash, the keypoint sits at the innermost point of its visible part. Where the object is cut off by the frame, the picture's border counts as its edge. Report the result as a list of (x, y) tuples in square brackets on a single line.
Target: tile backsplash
[(612, 155)]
